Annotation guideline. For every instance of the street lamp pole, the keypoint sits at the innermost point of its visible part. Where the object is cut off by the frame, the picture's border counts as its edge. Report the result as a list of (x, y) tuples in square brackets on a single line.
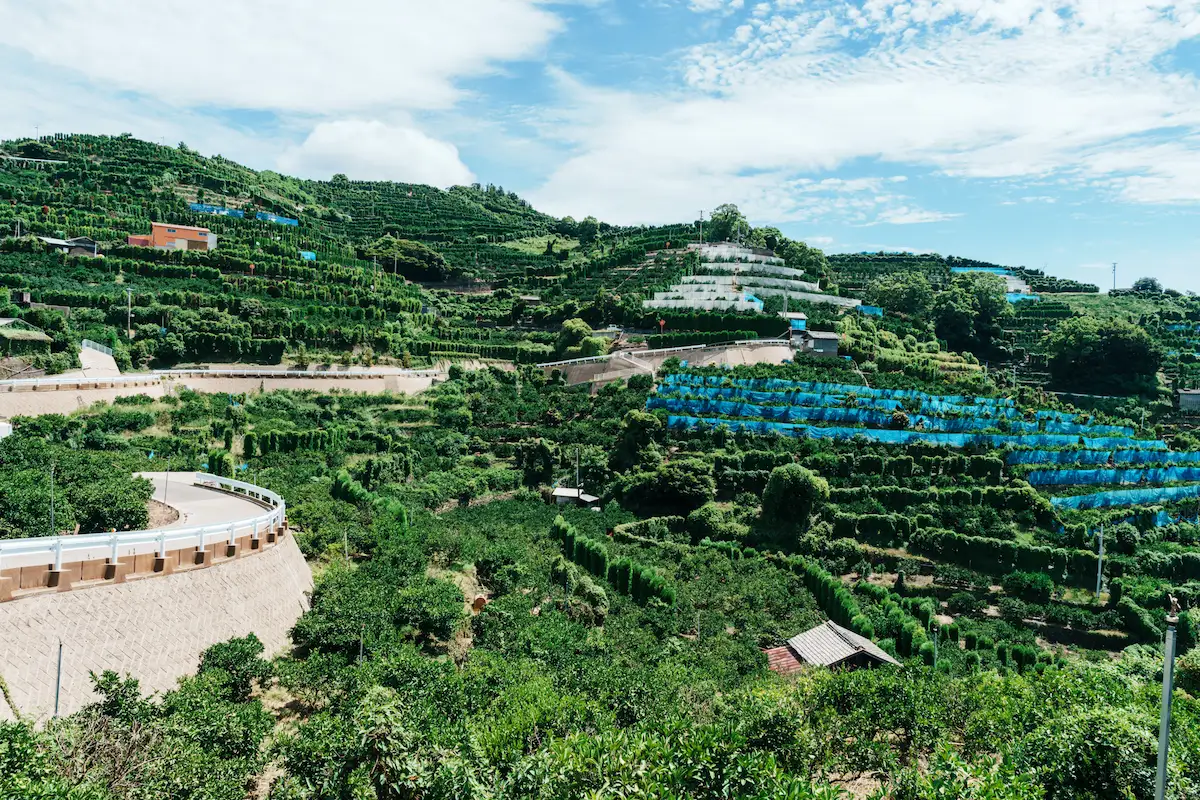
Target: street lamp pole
[(1164, 729)]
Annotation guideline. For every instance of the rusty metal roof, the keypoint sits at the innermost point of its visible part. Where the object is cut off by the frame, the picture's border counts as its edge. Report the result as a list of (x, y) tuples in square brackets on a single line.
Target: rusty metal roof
[(830, 644)]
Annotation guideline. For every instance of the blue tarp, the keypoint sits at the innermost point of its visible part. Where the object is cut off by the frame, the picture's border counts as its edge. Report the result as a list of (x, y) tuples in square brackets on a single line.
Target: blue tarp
[(308, 255), (1127, 497), (1019, 297), (868, 416), (794, 397), (884, 436), (778, 384), (1103, 477), (1101, 457), (205, 208), (265, 217), (871, 311), (990, 270)]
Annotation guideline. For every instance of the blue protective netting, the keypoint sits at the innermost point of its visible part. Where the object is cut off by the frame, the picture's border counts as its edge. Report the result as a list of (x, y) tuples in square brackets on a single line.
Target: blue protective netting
[(774, 384), (1127, 497), (991, 270), (1102, 477), (899, 437), (859, 416), (800, 398), (1101, 457)]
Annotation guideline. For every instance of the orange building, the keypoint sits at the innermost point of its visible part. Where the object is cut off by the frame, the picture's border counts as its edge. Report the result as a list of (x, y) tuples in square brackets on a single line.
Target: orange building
[(181, 237)]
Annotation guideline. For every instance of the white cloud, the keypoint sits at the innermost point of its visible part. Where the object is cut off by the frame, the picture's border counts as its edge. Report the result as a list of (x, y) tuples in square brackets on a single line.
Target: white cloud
[(903, 215), (709, 6), (376, 151), (53, 102), (975, 89), (819, 241), (302, 55)]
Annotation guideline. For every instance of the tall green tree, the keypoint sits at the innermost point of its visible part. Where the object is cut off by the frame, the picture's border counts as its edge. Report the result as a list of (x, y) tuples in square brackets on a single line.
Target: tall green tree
[(903, 292), (792, 494), (1105, 357)]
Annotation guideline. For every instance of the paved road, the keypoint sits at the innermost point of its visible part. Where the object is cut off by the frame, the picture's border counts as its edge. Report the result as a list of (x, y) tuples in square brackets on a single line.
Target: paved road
[(197, 505)]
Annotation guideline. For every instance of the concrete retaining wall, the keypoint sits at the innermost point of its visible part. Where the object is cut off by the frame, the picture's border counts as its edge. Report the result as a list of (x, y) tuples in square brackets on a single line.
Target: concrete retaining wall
[(153, 629)]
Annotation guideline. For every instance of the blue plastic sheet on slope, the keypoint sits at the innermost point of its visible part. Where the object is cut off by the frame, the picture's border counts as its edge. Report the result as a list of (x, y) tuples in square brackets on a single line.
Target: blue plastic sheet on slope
[(205, 208), (883, 436), (265, 217), (1020, 297), (1104, 477), (792, 397), (990, 270), (1127, 497), (861, 416), (308, 255), (1101, 457), (776, 384)]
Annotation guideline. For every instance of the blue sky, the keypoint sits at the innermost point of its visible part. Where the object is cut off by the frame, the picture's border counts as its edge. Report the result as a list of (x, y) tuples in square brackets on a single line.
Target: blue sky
[(1056, 133)]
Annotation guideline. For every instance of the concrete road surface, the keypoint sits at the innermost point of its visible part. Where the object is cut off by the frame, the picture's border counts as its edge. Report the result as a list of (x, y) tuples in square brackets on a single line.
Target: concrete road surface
[(197, 505)]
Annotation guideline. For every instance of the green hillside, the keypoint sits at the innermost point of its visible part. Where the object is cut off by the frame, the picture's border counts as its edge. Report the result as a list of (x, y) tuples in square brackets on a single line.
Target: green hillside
[(938, 488)]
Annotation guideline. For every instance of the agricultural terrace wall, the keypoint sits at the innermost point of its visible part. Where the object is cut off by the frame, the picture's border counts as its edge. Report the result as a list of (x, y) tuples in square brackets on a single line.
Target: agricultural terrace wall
[(147, 603)]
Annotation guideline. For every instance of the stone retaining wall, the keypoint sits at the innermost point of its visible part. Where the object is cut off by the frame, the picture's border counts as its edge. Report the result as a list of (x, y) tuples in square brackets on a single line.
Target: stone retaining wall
[(153, 629)]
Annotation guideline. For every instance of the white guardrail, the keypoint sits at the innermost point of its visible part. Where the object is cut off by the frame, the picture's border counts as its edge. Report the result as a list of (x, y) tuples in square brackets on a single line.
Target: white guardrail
[(59, 550), (643, 353), (159, 375), (78, 379), (292, 373), (88, 344)]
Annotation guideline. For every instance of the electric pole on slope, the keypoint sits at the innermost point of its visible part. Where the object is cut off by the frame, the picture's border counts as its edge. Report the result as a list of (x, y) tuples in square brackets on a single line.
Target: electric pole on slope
[(702, 226), (1114, 276)]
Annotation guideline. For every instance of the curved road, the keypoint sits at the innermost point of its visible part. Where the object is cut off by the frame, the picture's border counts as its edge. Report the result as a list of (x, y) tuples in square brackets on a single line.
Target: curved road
[(198, 505)]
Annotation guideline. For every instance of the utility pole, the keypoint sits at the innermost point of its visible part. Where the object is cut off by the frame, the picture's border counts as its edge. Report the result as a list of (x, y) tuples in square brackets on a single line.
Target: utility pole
[(129, 313), (1100, 563), (58, 679), (53, 530), (578, 488), (702, 226), (1164, 728), (1114, 276)]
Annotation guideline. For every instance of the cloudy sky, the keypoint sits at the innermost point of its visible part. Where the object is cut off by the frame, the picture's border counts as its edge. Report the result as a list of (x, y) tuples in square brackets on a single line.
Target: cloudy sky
[(1063, 133)]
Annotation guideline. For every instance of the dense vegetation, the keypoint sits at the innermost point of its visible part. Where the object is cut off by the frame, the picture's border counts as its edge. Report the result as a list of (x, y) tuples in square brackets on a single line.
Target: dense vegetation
[(468, 638)]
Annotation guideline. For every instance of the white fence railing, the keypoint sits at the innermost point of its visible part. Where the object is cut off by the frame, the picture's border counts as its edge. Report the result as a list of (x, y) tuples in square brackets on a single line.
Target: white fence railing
[(71, 380), (159, 375), (88, 344), (59, 550), (293, 373), (643, 353)]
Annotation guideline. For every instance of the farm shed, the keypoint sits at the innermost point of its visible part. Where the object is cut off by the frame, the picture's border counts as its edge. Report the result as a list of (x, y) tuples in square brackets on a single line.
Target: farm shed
[(827, 645), (18, 338), (821, 343), (1189, 401)]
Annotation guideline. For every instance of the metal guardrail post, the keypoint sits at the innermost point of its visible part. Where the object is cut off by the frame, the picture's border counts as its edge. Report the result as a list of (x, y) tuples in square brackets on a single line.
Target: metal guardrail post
[(113, 556), (58, 547)]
